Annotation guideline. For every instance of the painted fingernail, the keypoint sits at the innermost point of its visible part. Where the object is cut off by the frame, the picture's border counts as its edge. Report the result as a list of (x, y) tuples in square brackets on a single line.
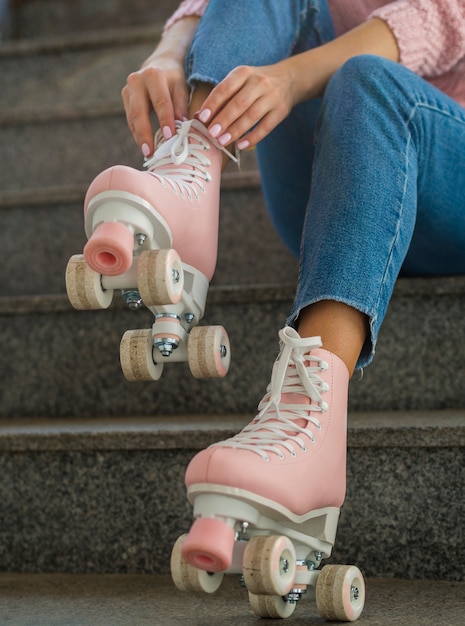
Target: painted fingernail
[(167, 134), (205, 115), (224, 139), (145, 149), (215, 130), (243, 145)]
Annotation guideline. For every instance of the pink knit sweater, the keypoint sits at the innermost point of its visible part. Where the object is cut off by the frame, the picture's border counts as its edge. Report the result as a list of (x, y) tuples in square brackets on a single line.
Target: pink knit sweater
[(430, 34)]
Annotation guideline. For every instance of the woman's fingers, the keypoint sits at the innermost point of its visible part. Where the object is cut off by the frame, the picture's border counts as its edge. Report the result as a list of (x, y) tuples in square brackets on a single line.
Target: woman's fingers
[(250, 101), (161, 89)]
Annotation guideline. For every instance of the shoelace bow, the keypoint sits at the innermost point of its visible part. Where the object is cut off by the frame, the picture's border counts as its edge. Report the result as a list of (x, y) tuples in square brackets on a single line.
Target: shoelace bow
[(277, 423), (184, 162)]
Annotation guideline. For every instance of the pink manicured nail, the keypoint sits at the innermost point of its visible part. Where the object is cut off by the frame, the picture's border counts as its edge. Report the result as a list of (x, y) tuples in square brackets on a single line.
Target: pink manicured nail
[(205, 115), (167, 134), (243, 145), (224, 139), (146, 149), (215, 130)]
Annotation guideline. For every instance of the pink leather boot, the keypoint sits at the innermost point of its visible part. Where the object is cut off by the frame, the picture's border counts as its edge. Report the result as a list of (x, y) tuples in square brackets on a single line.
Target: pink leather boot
[(266, 501), (178, 195), (287, 468)]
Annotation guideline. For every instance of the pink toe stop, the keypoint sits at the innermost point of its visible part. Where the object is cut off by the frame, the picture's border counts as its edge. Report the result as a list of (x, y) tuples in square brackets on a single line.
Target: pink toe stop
[(209, 545), (109, 250)]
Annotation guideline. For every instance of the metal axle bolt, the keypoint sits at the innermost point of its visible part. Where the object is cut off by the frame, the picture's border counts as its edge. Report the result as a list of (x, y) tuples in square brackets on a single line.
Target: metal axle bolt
[(132, 299)]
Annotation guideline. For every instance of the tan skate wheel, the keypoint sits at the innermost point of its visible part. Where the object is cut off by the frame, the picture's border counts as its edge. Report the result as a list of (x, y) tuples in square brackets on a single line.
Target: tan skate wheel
[(209, 352), (160, 277), (340, 593), (189, 578), (136, 356), (84, 286), (274, 607), (269, 565)]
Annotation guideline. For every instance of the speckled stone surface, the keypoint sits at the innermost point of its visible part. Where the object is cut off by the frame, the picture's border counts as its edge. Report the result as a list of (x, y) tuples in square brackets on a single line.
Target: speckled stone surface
[(54, 74), (38, 240), (57, 362), (108, 495), (126, 600), (56, 17)]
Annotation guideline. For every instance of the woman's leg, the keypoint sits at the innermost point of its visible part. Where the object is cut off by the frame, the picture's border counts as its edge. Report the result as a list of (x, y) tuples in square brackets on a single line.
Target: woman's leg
[(388, 188)]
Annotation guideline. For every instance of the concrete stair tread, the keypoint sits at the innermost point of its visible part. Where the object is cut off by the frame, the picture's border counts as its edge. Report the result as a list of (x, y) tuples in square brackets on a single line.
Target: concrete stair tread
[(128, 599), (75, 70), (384, 429)]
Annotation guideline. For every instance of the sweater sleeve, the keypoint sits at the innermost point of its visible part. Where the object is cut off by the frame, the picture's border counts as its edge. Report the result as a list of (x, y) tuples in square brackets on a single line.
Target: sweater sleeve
[(430, 33), (187, 8)]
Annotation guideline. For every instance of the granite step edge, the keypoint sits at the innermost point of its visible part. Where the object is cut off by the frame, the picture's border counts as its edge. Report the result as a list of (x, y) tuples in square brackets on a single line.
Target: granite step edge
[(73, 194), (86, 40), (235, 294), (387, 429)]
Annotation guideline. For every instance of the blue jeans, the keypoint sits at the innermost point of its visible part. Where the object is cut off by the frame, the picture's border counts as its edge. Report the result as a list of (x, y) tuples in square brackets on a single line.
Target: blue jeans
[(373, 183)]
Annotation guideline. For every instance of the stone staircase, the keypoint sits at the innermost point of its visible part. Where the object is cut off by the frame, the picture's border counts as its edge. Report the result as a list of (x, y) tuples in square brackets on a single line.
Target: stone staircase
[(91, 465)]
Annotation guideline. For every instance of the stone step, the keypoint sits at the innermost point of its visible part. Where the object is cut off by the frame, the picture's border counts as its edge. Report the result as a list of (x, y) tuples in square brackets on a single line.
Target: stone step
[(57, 362), (36, 19), (127, 599), (54, 73), (107, 495)]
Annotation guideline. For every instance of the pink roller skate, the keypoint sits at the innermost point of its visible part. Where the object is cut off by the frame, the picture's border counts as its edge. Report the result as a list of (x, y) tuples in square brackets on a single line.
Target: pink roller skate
[(153, 235), (266, 502)]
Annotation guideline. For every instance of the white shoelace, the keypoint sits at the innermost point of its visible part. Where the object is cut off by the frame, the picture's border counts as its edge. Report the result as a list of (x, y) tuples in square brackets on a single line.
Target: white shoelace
[(276, 425), (184, 162)]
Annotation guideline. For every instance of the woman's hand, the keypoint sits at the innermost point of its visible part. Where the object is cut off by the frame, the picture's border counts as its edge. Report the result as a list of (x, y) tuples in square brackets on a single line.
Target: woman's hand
[(249, 103), (159, 85)]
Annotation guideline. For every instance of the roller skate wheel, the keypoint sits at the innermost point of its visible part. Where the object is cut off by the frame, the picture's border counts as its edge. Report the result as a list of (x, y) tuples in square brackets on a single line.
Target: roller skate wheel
[(269, 565), (275, 607), (209, 352), (136, 356), (160, 277), (209, 545), (189, 578), (340, 593), (109, 250), (84, 286)]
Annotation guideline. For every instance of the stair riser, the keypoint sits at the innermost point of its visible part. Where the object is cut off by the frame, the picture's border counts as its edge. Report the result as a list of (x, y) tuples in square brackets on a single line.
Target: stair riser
[(38, 19), (70, 151), (122, 511), (249, 249), (67, 363), (73, 74)]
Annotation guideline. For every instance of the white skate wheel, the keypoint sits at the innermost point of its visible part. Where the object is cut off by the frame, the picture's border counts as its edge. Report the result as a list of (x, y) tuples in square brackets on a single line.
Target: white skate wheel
[(340, 593), (160, 277), (189, 578), (269, 565), (209, 352), (274, 607), (136, 356), (84, 286)]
